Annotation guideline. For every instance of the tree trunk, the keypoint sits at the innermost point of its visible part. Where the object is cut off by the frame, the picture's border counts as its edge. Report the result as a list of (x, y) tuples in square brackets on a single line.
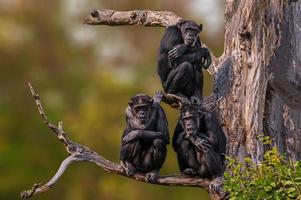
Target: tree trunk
[(257, 79)]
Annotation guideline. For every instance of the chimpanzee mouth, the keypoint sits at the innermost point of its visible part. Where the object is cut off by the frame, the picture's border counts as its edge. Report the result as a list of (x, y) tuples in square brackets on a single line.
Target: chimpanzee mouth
[(142, 120), (190, 41), (189, 130)]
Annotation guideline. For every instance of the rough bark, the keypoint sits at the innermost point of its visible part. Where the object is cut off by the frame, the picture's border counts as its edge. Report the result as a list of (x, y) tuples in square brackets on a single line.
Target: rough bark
[(257, 79), (133, 17)]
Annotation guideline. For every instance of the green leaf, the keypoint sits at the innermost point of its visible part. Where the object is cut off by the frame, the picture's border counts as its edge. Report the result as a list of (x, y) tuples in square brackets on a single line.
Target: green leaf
[(288, 183)]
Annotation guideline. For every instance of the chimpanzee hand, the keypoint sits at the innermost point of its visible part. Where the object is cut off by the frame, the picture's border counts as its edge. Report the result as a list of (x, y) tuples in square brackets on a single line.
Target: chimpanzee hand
[(130, 136), (178, 51), (206, 58), (158, 97), (189, 171), (152, 176), (128, 168), (216, 185), (203, 144), (196, 100)]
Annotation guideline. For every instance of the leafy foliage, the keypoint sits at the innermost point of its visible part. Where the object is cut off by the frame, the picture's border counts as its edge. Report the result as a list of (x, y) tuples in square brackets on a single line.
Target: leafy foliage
[(274, 178)]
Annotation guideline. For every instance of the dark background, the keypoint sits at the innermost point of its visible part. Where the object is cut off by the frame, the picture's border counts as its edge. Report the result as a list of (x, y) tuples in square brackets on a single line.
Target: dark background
[(85, 76)]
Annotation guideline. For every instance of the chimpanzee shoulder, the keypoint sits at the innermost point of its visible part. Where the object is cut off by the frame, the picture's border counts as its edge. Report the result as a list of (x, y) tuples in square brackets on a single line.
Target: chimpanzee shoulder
[(170, 39), (178, 130)]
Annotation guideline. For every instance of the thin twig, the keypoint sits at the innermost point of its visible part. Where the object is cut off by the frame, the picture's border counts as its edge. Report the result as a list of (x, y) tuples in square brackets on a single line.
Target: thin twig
[(79, 152)]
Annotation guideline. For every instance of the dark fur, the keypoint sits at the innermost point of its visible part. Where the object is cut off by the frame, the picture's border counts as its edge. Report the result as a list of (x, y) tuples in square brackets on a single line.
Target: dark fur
[(147, 151), (184, 76), (205, 163)]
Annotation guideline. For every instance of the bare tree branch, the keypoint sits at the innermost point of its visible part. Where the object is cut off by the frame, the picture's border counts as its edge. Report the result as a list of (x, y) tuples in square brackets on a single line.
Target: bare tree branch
[(134, 17), (79, 152)]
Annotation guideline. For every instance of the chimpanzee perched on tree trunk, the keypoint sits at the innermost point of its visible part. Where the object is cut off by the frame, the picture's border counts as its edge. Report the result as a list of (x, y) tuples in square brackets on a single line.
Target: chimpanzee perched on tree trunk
[(180, 61), (145, 137), (200, 144)]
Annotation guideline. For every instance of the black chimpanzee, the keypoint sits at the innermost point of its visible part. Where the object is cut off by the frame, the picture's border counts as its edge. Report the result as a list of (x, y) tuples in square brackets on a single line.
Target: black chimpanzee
[(180, 61), (200, 144), (145, 137)]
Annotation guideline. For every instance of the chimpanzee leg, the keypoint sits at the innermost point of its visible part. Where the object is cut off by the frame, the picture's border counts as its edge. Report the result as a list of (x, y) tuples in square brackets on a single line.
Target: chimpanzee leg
[(198, 86), (180, 79), (211, 165), (155, 155), (215, 170), (130, 154), (154, 159), (187, 158)]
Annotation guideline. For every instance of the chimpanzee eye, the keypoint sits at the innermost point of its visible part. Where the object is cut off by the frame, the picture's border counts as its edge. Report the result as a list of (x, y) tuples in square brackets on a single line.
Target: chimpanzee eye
[(137, 109)]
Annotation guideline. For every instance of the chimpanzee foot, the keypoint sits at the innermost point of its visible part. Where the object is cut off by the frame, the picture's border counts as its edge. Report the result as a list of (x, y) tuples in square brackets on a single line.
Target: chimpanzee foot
[(196, 100), (189, 171), (176, 100), (216, 185), (152, 176), (128, 168)]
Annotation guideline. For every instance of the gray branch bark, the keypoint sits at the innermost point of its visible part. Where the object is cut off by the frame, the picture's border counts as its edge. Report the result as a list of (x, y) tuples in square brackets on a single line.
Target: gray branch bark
[(134, 17)]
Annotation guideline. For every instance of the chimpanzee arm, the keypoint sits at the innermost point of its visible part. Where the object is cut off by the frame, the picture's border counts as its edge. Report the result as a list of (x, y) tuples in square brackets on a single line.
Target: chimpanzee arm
[(164, 66), (144, 135), (200, 141), (176, 135), (160, 129), (215, 134), (196, 55), (171, 38)]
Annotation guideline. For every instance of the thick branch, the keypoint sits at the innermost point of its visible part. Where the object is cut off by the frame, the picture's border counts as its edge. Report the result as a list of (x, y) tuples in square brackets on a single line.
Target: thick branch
[(79, 152), (134, 17)]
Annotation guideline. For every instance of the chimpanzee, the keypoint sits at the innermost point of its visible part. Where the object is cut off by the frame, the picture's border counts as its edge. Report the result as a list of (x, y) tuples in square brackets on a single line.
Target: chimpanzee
[(145, 137), (200, 144), (180, 61)]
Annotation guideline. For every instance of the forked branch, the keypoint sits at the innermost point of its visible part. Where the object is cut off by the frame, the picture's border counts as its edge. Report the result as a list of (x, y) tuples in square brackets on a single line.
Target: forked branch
[(78, 152)]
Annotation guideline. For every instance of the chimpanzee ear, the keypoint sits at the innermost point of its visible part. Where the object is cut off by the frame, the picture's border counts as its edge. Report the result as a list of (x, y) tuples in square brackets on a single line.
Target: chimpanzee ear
[(201, 27), (181, 122), (180, 23)]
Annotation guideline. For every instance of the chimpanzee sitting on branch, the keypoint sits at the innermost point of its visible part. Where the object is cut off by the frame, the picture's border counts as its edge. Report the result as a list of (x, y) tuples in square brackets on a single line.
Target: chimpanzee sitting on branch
[(200, 145), (145, 137), (180, 61)]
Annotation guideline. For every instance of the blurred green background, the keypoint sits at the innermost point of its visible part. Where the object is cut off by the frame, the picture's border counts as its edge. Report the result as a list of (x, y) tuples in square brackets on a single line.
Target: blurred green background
[(85, 76)]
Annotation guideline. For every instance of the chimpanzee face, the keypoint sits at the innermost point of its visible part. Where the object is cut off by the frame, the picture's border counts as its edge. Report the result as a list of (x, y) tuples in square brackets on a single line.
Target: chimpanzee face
[(141, 106), (142, 113), (190, 36), (189, 31), (190, 125), (190, 119)]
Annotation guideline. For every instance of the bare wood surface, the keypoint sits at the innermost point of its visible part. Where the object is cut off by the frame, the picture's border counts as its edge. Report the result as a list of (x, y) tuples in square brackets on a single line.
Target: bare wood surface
[(134, 17), (259, 77), (78, 152)]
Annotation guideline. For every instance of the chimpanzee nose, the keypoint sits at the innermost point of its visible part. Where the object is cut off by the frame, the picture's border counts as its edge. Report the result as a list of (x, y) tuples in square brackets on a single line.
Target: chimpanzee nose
[(141, 113)]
